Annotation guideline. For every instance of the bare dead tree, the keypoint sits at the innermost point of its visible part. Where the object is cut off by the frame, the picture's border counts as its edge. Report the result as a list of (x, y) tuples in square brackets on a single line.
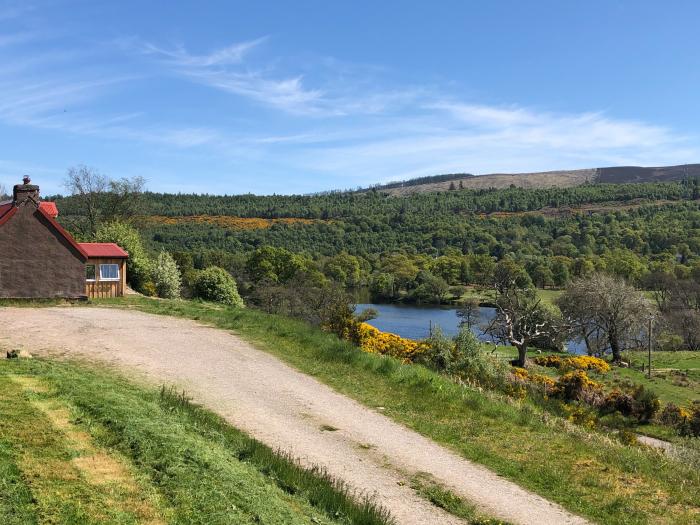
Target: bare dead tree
[(606, 312), (3, 193), (87, 185), (100, 198)]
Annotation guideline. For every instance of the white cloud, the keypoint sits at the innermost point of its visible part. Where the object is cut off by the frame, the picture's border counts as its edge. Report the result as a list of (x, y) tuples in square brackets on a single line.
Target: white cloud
[(232, 54), (484, 139)]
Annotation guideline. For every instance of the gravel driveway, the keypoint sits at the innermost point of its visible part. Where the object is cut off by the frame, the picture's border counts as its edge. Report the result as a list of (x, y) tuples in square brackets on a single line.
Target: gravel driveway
[(278, 405)]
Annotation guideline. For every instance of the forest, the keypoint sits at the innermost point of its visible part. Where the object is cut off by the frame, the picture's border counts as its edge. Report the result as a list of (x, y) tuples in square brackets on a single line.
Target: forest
[(555, 234)]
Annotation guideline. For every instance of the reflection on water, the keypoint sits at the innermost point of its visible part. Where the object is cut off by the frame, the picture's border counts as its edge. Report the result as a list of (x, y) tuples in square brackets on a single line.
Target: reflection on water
[(414, 322)]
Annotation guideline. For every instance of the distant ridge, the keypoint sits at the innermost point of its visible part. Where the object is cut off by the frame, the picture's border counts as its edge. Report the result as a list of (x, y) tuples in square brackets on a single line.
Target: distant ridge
[(542, 179)]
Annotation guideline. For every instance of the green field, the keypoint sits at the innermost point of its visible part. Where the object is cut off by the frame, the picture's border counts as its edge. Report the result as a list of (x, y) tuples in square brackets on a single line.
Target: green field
[(82, 446), (586, 472)]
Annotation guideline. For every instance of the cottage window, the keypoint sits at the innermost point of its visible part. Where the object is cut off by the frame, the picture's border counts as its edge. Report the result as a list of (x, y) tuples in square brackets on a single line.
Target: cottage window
[(109, 272), (90, 272)]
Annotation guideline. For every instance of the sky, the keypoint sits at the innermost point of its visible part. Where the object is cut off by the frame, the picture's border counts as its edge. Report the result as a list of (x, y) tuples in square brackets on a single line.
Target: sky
[(298, 97)]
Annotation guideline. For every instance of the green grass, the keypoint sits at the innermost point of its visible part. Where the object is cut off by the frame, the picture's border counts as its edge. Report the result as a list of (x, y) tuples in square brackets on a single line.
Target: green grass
[(450, 502), (584, 471), (187, 464)]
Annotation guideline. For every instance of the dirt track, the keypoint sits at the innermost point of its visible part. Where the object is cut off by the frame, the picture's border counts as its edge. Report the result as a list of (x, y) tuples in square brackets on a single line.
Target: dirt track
[(278, 405)]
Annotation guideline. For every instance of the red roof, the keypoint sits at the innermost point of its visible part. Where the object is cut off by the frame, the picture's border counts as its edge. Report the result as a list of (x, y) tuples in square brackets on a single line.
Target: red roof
[(4, 208), (103, 249), (49, 207)]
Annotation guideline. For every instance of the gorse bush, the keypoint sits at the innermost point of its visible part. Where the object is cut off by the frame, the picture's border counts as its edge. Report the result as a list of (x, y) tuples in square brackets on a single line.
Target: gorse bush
[(166, 276), (216, 284), (581, 362), (375, 341)]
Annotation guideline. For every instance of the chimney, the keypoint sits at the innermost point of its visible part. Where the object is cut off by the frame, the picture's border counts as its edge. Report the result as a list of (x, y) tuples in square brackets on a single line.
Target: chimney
[(25, 192)]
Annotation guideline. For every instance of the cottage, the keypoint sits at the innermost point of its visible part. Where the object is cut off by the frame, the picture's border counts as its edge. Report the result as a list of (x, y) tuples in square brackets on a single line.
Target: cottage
[(39, 259)]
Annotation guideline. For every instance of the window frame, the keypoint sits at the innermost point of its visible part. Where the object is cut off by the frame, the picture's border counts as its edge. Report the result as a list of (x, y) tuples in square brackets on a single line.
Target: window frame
[(94, 273), (110, 279)]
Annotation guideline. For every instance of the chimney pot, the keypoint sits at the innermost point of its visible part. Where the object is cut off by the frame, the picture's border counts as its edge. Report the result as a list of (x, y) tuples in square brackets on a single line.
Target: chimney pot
[(25, 193)]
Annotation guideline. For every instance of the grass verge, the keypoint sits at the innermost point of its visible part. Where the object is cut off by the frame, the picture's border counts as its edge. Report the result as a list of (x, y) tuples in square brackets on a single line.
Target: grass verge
[(86, 446), (585, 472)]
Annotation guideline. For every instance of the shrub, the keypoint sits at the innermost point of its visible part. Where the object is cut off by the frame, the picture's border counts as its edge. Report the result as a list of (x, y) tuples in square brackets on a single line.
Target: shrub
[(691, 425), (216, 284), (641, 404), (439, 352), (470, 361), (577, 386), (674, 416), (646, 404), (376, 342), (167, 276), (581, 362), (587, 362), (618, 401), (550, 361), (139, 268), (694, 423)]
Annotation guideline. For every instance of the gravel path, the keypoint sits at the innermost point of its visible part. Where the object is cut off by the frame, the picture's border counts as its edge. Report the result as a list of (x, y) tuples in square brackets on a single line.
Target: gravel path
[(278, 405)]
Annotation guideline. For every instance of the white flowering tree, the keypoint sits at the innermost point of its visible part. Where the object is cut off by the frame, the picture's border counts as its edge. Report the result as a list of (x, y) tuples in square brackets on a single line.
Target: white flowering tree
[(167, 276)]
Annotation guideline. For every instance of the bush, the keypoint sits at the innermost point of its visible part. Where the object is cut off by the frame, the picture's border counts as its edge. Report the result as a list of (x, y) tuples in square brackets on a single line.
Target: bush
[(581, 362), (167, 276), (376, 342), (216, 284), (642, 404), (470, 361), (690, 425), (139, 268), (674, 416), (618, 401), (439, 352), (577, 386), (646, 404)]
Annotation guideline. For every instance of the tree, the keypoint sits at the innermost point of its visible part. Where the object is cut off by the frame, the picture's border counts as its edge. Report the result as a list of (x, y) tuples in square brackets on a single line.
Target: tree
[(560, 272), (139, 268), (87, 185), (468, 313), (344, 269), (520, 318), (101, 199), (3, 193), (124, 198), (275, 264), (431, 288), (167, 276), (606, 313), (216, 284)]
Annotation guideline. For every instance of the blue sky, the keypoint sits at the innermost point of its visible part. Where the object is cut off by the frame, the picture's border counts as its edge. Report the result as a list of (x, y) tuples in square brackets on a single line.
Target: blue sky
[(296, 97)]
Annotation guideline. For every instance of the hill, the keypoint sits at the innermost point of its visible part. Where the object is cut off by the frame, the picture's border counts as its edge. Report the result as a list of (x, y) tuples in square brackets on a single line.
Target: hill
[(543, 179)]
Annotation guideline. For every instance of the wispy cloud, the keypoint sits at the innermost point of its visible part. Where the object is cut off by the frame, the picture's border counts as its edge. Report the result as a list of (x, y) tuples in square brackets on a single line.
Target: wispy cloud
[(224, 69), (486, 139), (178, 56)]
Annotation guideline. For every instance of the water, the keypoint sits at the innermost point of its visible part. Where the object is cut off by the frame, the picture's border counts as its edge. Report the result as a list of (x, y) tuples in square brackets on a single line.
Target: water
[(414, 322)]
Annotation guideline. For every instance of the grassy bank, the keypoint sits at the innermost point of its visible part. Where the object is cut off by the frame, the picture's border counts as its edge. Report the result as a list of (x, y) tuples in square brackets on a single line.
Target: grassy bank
[(83, 446), (585, 472)]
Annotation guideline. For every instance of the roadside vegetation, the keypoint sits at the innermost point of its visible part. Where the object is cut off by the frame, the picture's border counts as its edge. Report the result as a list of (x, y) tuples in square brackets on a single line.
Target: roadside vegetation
[(81, 445), (582, 468)]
